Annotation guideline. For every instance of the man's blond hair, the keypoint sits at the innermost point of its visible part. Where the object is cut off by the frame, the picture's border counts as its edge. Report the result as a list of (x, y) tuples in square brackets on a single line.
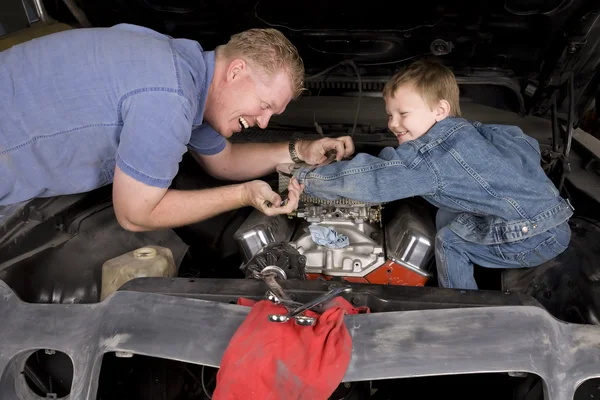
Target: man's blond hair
[(270, 50), (432, 80)]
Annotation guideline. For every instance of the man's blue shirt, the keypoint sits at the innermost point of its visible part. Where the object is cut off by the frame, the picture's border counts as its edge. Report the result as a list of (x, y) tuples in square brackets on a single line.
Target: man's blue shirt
[(74, 104)]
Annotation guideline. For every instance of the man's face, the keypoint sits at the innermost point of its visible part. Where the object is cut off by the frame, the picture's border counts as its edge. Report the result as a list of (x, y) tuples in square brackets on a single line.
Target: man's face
[(249, 97), (409, 116)]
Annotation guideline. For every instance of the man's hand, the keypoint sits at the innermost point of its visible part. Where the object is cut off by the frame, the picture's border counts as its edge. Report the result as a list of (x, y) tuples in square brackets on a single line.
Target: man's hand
[(259, 195), (316, 151)]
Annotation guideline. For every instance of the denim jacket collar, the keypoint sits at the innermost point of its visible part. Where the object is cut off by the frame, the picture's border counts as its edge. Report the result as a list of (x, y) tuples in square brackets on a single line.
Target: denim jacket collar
[(438, 133)]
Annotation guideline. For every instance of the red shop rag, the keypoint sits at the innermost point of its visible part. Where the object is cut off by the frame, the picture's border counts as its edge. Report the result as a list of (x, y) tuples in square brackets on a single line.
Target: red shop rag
[(279, 361)]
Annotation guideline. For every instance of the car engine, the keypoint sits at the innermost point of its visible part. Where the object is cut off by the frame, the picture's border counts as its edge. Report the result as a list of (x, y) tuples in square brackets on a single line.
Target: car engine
[(390, 244)]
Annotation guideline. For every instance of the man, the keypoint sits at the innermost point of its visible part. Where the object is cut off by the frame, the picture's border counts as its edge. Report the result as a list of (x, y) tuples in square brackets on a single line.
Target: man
[(89, 107)]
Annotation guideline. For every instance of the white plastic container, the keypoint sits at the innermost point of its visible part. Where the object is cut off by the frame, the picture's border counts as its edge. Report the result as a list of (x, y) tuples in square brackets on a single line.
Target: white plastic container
[(149, 261)]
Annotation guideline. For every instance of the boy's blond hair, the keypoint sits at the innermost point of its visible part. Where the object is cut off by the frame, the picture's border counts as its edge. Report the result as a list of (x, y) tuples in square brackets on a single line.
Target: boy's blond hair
[(432, 81), (270, 50)]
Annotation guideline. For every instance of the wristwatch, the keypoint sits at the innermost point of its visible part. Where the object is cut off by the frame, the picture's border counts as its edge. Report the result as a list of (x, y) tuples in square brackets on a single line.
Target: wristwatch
[(292, 149)]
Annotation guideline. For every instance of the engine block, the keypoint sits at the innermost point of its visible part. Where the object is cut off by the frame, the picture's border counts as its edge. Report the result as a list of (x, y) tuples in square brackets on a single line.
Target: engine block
[(364, 253), (394, 247), (393, 250), (397, 251)]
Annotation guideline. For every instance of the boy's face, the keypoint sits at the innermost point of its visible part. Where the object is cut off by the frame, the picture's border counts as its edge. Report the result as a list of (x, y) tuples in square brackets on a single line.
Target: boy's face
[(409, 116)]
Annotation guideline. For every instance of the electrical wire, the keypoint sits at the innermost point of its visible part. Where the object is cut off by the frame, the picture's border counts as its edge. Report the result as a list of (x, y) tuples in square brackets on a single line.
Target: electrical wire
[(325, 71), (343, 30), (352, 64), (203, 384), (355, 68), (564, 4), (570, 116), (394, 62)]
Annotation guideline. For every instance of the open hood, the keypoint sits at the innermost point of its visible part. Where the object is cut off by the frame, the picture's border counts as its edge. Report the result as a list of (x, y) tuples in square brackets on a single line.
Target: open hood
[(512, 54)]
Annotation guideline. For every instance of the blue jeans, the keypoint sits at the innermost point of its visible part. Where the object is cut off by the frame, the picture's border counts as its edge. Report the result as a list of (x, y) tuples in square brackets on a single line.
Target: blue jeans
[(455, 257)]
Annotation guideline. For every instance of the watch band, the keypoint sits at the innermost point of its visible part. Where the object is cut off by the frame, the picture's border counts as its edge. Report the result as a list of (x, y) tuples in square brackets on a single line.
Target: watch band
[(292, 149)]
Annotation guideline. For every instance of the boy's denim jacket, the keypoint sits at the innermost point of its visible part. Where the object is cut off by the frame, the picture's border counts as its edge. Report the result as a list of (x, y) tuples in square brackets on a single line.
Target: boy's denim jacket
[(489, 174)]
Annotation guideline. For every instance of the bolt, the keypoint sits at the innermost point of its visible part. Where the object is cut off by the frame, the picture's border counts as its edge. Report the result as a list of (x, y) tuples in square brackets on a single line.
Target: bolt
[(50, 352), (123, 354), (347, 385), (355, 301)]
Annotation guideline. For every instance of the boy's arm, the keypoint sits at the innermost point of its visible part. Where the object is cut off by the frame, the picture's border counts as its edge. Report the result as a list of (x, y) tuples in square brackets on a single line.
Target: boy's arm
[(369, 179)]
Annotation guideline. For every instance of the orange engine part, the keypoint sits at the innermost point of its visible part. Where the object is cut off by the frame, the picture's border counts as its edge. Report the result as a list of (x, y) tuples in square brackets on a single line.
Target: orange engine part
[(390, 273)]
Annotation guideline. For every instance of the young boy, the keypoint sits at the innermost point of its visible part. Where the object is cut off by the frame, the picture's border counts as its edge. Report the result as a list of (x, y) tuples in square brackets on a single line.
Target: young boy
[(497, 208)]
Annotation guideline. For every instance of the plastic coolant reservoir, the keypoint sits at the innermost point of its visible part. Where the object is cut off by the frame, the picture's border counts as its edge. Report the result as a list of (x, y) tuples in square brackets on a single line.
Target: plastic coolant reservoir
[(149, 261)]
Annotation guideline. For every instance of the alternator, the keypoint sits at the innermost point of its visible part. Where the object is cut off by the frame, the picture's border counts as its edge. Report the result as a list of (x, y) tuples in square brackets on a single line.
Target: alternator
[(281, 258)]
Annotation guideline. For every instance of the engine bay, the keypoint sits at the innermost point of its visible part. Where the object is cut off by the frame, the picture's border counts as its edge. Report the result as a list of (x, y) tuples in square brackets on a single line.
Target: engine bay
[(342, 240), (54, 253), (385, 254)]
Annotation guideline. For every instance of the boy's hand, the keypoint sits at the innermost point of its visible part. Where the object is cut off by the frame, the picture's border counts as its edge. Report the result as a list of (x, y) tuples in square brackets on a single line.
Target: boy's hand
[(315, 152)]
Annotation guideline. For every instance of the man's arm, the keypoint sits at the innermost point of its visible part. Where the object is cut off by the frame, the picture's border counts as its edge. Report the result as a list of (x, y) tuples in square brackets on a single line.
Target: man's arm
[(151, 145), (368, 178), (243, 161), (140, 207)]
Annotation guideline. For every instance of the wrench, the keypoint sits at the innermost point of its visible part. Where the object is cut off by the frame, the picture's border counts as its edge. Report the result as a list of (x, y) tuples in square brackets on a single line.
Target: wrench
[(288, 304), (284, 199), (295, 309), (279, 296), (302, 319)]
